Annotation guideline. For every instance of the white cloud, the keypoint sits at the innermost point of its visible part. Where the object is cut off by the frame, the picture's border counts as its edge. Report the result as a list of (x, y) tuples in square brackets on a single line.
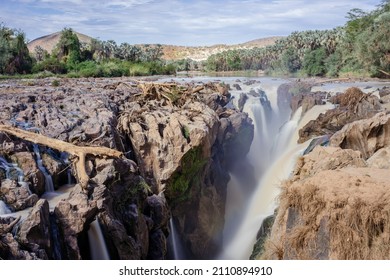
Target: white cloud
[(179, 21)]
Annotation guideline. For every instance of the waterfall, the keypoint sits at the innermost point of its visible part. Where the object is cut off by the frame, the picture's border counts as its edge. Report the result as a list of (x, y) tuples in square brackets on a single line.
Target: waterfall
[(273, 153), (65, 160), (4, 209), (175, 242), (49, 186), (96, 242), (8, 167)]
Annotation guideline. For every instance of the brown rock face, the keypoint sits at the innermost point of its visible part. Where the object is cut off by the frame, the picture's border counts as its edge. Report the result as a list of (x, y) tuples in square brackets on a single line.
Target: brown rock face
[(179, 143), (353, 105), (186, 151), (334, 207), (307, 101), (34, 232), (32, 174), (17, 197), (366, 136)]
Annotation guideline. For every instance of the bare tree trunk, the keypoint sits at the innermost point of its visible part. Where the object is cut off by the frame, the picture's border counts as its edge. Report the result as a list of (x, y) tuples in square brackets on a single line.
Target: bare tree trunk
[(79, 151)]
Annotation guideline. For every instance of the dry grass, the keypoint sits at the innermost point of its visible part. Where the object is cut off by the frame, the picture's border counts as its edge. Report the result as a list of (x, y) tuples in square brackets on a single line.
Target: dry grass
[(349, 208)]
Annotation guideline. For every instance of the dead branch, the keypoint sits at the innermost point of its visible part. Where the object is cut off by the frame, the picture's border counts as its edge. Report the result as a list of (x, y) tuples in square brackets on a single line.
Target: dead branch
[(79, 151), (384, 72)]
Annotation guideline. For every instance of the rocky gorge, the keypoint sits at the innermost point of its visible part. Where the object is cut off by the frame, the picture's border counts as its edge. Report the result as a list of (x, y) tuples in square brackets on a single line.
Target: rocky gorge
[(175, 144), (190, 168)]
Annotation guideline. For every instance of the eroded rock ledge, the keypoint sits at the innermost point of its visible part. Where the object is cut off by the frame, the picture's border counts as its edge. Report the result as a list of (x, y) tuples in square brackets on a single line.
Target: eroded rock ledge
[(178, 142)]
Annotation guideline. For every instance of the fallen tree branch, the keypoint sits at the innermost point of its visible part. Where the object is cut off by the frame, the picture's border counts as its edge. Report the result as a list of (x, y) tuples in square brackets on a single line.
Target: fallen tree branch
[(78, 151), (384, 72)]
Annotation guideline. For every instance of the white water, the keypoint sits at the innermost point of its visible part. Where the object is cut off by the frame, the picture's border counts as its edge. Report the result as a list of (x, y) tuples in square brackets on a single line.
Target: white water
[(65, 159), (277, 155), (177, 249), (3, 208), (49, 186), (8, 167), (96, 242)]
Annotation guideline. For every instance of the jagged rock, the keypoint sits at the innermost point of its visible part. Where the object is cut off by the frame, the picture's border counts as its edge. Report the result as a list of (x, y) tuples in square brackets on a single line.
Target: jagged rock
[(72, 215), (261, 237), (17, 197), (384, 91), (10, 249), (307, 101), (164, 136), (182, 148), (56, 169), (353, 105), (158, 246), (34, 232), (32, 174), (366, 136), (381, 159), (157, 209), (241, 101), (326, 158), (237, 86)]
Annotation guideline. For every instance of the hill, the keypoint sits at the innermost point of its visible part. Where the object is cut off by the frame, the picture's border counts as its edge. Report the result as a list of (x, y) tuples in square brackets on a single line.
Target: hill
[(48, 42), (171, 52)]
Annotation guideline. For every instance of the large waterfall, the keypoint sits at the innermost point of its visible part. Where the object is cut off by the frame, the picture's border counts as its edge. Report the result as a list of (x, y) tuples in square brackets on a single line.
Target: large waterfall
[(273, 154)]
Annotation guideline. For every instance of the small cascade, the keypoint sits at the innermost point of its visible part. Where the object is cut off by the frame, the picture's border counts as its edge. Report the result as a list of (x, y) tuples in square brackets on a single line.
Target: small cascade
[(177, 250), (49, 186), (4, 209), (96, 242), (55, 237), (65, 160), (9, 168)]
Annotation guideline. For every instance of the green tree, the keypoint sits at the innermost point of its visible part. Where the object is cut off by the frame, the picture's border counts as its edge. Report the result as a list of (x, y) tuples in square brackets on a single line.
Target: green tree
[(314, 62), (68, 49), (373, 46)]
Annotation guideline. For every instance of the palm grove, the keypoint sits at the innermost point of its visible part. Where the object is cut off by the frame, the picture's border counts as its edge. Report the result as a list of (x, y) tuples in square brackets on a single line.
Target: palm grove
[(361, 47)]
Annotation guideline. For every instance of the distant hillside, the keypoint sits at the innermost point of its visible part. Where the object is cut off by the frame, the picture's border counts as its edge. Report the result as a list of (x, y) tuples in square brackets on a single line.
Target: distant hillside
[(49, 42), (171, 52), (202, 53)]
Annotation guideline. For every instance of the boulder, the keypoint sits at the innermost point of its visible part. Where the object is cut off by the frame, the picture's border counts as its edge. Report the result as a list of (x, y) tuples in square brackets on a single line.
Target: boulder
[(34, 232), (353, 105), (366, 136), (32, 174), (17, 197)]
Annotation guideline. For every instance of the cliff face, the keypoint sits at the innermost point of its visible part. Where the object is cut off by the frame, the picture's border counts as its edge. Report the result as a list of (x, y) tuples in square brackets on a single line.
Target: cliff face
[(178, 141), (336, 204)]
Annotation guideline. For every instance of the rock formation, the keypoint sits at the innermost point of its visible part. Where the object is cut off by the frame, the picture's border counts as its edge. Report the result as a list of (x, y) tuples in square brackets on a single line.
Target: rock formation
[(336, 203), (352, 105), (176, 144)]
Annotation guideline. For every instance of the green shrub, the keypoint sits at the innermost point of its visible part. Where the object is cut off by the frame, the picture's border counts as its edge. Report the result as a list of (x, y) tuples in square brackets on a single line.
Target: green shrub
[(55, 83), (314, 62)]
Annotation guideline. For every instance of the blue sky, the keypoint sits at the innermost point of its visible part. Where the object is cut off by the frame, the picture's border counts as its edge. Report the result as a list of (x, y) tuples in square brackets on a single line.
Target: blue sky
[(179, 22)]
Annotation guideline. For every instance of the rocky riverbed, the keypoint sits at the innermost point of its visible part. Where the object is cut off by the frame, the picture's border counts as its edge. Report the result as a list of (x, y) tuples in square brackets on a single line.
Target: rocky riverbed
[(172, 145), (178, 143)]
